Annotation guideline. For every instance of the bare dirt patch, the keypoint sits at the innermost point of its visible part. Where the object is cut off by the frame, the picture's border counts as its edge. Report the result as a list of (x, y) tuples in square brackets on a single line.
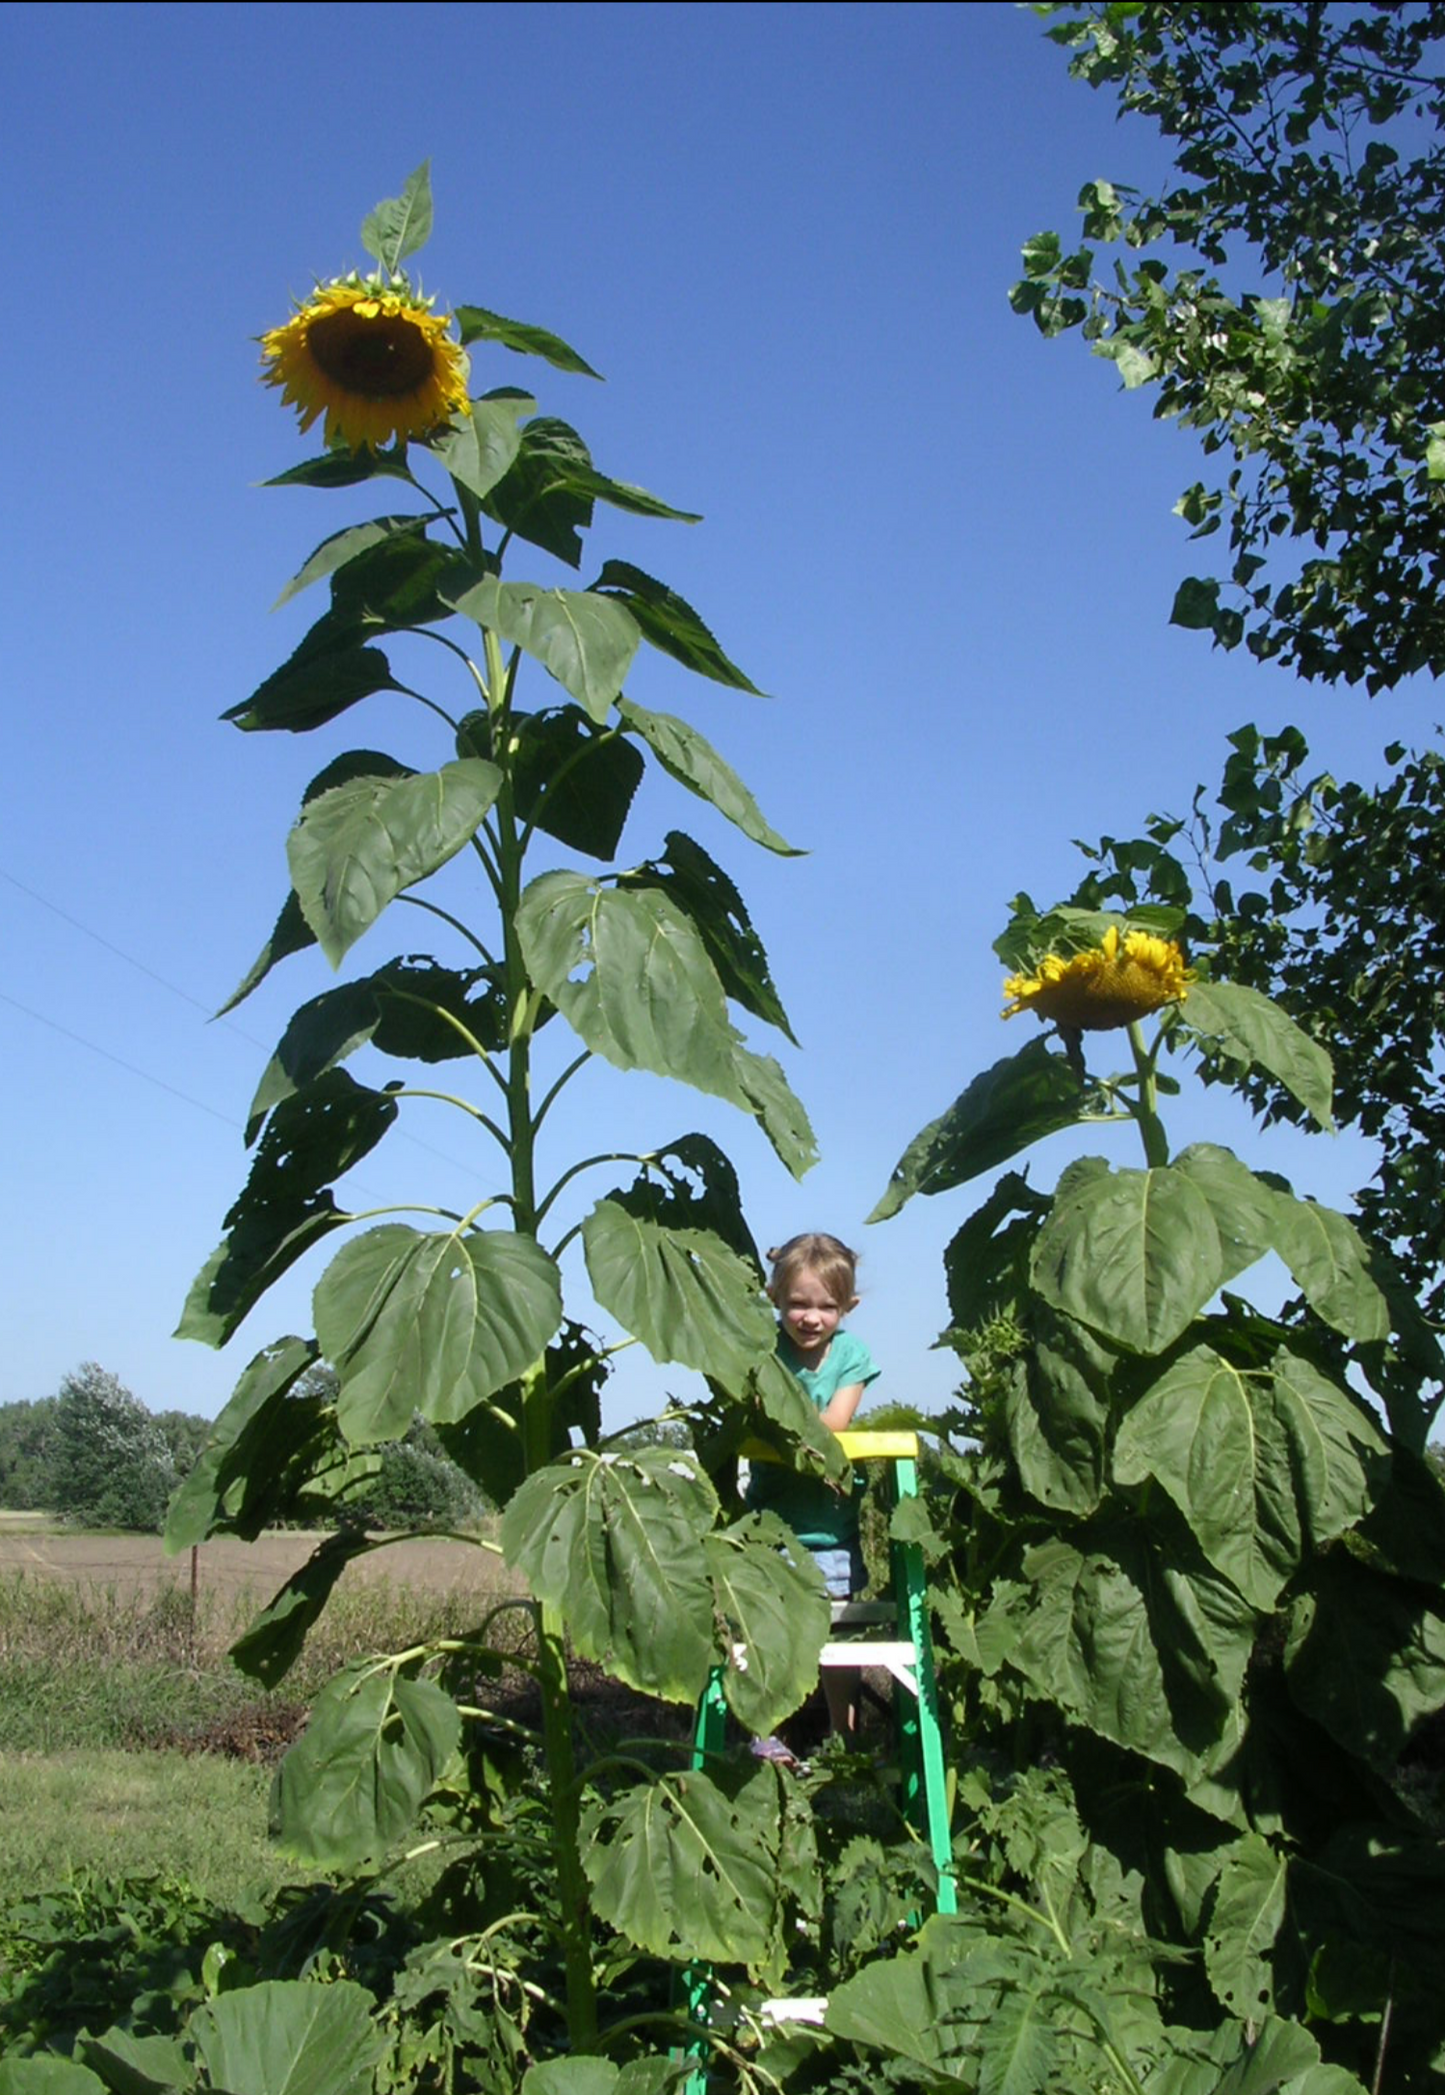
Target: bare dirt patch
[(227, 1568)]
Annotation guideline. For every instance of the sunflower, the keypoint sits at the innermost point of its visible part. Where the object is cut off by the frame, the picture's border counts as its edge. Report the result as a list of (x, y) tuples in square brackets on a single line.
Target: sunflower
[(380, 364), (1112, 984)]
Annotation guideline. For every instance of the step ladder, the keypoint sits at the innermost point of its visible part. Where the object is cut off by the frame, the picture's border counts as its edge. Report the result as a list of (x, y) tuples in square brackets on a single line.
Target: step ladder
[(856, 1643)]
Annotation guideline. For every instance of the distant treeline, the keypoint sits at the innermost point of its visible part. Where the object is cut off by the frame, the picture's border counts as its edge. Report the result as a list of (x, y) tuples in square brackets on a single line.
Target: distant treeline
[(94, 1455)]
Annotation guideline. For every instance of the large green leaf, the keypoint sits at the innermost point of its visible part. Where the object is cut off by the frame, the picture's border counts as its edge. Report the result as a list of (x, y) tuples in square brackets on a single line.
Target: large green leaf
[(691, 759), (631, 975), (1246, 1026), (313, 687), (769, 1407), (691, 1184), (1133, 1254), (1331, 1262), (358, 846), (586, 642), (688, 1865), (354, 1781), (334, 552), (1264, 1466), (1365, 1657), (1056, 1417), (285, 1207), (574, 783), (292, 935), (478, 448), (343, 469), (1242, 1205), (398, 583), (261, 1431), (400, 225), (270, 1647), (593, 2076), (974, 2009), (544, 497), (615, 1541), (779, 1111), (773, 1616), (402, 1007), (1018, 1101), (670, 624), (987, 1267), (547, 496), (1245, 1918), (431, 1323), (48, 2076), (490, 1442), (685, 1293), (130, 2065), (1136, 1638), (700, 887), (476, 324), (290, 2037)]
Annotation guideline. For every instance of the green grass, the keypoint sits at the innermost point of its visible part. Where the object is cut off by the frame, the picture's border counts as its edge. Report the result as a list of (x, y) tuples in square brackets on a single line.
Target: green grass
[(194, 1817), (98, 1688), (87, 1668)]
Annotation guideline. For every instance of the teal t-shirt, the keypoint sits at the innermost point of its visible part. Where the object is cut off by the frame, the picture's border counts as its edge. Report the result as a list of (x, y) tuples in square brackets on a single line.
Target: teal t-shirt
[(819, 1516)]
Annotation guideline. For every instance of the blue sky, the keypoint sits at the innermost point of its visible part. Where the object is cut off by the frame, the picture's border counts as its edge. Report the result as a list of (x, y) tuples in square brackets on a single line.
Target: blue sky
[(942, 546)]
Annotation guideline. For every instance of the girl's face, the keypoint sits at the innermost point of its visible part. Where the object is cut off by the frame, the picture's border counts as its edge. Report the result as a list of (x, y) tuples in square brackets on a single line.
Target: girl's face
[(810, 1315)]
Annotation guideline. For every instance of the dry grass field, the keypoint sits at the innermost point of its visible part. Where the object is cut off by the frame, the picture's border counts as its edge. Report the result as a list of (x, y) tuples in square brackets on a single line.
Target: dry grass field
[(227, 1570)]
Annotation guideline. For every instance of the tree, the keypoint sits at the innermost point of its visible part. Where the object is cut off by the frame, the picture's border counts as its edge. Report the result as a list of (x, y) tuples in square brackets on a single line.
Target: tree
[(110, 1466), (185, 1435), (25, 1435), (1311, 167), (1312, 172)]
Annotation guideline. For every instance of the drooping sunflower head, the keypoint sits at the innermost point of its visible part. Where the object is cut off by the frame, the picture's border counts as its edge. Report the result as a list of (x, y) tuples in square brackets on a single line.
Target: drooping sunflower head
[(1110, 984), (377, 362)]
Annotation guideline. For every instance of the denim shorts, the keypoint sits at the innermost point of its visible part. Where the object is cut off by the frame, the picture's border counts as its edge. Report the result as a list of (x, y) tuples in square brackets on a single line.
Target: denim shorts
[(842, 1569)]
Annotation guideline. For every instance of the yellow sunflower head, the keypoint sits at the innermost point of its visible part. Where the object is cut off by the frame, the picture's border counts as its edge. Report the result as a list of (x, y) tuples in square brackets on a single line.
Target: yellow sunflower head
[(1111, 984), (378, 363)]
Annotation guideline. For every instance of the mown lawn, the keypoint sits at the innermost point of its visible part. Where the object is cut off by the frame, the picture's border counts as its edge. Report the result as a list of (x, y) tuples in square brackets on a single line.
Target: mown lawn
[(193, 1817)]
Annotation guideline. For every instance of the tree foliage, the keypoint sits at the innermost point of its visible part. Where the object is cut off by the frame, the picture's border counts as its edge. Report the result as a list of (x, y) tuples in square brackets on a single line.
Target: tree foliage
[(25, 1436), (109, 1462), (1282, 297)]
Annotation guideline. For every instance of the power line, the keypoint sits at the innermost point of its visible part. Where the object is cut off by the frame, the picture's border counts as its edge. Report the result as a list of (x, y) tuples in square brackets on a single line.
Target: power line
[(119, 1061), (406, 1135), (121, 954)]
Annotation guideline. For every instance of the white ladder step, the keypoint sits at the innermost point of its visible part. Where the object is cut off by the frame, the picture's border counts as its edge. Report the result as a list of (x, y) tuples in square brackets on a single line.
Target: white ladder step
[(900, 1660)]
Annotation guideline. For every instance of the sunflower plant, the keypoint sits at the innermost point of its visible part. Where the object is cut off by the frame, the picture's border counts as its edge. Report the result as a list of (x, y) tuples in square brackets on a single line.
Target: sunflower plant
[(627, 1554), (1188, 1553)]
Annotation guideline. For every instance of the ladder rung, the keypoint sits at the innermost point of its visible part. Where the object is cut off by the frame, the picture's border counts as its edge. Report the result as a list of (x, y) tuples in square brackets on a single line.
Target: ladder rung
[(861, 1445), (897, 1659)]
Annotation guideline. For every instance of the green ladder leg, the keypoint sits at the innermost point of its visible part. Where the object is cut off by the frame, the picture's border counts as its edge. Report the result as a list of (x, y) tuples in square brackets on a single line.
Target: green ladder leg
[(925, 1778)]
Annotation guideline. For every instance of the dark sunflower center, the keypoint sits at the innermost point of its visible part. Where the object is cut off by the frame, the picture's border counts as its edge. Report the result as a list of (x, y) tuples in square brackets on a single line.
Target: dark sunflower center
[(383, 357)]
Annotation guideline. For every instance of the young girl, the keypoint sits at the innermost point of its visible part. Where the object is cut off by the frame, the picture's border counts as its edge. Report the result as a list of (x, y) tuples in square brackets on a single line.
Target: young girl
[(813, 1287)]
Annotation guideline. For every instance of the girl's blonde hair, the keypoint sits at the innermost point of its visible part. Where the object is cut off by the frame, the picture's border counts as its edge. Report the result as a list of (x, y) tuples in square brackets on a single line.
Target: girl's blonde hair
[(815, 1252)]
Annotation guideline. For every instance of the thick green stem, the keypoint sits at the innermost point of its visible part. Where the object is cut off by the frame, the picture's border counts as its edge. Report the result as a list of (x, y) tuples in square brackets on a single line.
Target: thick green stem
[(1146, 1109), (538, 1402), (573, 1896)]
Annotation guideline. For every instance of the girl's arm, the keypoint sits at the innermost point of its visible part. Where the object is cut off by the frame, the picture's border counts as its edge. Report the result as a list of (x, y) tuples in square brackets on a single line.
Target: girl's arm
[(837, 1413)]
